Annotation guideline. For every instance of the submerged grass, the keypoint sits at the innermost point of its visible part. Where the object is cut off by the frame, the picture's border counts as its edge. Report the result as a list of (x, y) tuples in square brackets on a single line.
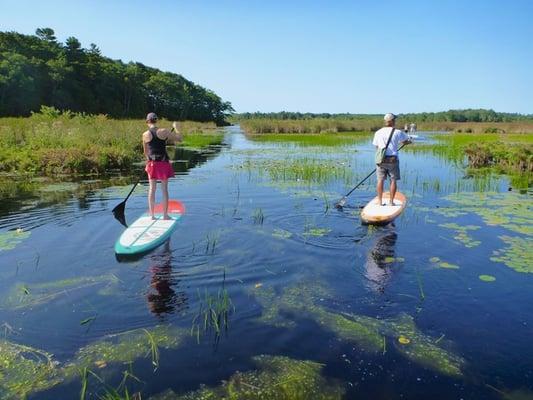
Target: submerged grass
[(281, 309), (276, 377), (213, 313), (11, 239)]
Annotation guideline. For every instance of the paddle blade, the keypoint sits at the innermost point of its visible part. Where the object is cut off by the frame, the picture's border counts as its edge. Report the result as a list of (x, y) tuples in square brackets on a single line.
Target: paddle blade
[(341, 203), (118, 213)]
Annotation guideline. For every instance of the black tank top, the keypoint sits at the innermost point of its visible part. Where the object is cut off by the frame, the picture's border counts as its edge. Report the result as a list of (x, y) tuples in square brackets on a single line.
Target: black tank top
[(157, 148)]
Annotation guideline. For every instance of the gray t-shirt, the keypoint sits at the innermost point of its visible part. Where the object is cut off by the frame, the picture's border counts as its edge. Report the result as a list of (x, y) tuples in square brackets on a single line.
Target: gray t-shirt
[(382, 135)]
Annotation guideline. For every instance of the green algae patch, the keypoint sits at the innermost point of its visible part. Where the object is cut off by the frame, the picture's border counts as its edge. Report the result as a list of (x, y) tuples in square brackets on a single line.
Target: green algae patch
[(447, 265), (28, 295), (422, 349), (276, 378), (25, 370), (11, 239), (434, 259), (281, 234), (461, 233), (487, 278), (126, 347), (518, 254)]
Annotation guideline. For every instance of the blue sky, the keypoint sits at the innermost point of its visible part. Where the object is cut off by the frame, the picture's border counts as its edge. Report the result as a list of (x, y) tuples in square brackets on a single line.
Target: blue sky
[(315, 56)]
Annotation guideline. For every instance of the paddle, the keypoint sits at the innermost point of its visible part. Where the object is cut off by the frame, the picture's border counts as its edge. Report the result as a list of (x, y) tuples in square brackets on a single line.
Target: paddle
[(118, 211), (342, 201)]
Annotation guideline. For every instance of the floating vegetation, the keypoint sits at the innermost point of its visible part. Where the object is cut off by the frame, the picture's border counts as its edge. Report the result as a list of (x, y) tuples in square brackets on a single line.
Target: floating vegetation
[(126, 347), (403, 340), (10, 239), (316, 231), (390, 260), (366, 332), (446, 265), (487, 278), (27, 295), (423, 349), (518, 254), (434, 259), (276, 377), (25, 370), (510, 210), (281, 234), (462, 235)]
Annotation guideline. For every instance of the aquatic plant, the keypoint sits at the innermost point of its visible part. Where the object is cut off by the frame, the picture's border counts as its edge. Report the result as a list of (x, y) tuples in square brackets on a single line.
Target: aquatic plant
[(462, 235), (125, 347), (27, 295), (25, 370), (276, 377), (213, 312), (518, 254), (211, 241), (421, 348), (366, 332), (487, 278), (258, 216), (11, 239), (281, 234)]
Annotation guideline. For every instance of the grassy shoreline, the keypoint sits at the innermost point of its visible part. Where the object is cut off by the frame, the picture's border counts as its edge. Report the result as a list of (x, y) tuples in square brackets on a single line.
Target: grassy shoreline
[(46, 144)]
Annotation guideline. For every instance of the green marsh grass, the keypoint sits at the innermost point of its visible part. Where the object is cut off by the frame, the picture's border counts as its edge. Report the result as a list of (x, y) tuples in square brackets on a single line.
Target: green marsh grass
[(310, 140), (70, 143)]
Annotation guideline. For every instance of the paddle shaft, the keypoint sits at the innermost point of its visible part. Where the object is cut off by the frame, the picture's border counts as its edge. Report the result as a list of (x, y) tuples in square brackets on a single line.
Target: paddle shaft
[(368, 176)]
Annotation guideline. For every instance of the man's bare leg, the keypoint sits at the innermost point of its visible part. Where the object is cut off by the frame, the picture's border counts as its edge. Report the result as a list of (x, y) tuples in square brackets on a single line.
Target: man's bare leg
[(151, 196), (379, 189), (392, 191), (164, 189)]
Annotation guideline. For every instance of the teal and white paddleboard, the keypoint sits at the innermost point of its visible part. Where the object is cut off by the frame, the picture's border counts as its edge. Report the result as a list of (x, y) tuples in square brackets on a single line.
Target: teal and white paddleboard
[(146, 234)]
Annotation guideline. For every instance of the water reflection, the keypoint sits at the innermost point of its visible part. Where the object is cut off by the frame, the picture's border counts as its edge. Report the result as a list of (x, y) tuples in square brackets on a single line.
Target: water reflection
[(379, 262), (162, 298)]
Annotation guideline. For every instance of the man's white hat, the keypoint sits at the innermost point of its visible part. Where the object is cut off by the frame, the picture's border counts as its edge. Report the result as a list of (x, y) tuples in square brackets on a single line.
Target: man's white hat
[(389, 117)]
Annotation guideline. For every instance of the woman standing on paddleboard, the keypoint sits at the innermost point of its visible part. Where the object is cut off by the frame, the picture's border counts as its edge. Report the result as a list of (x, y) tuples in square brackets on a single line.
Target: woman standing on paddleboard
[(158, 165)]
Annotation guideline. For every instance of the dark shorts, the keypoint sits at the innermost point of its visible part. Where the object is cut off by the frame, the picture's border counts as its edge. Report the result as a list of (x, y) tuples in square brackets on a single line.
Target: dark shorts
[(388, 168)]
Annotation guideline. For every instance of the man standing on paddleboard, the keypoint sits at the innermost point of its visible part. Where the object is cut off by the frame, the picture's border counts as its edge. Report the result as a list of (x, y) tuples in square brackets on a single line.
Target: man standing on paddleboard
[(158, 165), (390, 138)]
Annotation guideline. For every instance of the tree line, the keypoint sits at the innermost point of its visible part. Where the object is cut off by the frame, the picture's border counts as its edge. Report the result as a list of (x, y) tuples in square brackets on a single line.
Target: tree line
[(468, 115), (38, 70)]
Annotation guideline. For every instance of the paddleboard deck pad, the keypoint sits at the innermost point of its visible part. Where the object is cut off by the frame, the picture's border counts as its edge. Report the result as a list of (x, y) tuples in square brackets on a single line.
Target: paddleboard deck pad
[(146, 234), (377, 214)]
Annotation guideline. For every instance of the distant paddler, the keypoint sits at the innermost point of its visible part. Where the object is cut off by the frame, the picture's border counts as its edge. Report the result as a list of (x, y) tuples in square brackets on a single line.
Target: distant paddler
[(390, 139), (158, 166)]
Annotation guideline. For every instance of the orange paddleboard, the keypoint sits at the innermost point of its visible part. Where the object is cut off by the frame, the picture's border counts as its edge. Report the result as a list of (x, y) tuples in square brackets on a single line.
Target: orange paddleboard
[(374, 213)]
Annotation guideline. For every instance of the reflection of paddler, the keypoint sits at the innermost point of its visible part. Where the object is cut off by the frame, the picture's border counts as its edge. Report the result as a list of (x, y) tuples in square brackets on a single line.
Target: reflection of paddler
[(162, 299), (378, 268)]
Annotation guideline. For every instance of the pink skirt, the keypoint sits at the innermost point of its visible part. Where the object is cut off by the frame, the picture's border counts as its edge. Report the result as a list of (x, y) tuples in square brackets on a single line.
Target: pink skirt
[(160, 170)]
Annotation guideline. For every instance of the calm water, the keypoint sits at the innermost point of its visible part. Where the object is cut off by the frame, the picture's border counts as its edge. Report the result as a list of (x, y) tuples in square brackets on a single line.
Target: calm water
[(295, 269)]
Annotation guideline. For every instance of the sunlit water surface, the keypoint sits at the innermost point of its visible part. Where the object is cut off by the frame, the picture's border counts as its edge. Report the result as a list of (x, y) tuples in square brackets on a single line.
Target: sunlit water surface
[(296, 270)]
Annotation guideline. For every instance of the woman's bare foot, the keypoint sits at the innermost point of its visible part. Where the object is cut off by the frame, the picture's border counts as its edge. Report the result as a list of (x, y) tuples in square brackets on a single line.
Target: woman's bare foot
[(153, 218), (166, 217)]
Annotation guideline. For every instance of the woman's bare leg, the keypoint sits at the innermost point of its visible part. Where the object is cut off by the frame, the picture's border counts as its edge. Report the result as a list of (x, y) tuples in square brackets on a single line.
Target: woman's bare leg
[(164, 189), (151, 196)]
